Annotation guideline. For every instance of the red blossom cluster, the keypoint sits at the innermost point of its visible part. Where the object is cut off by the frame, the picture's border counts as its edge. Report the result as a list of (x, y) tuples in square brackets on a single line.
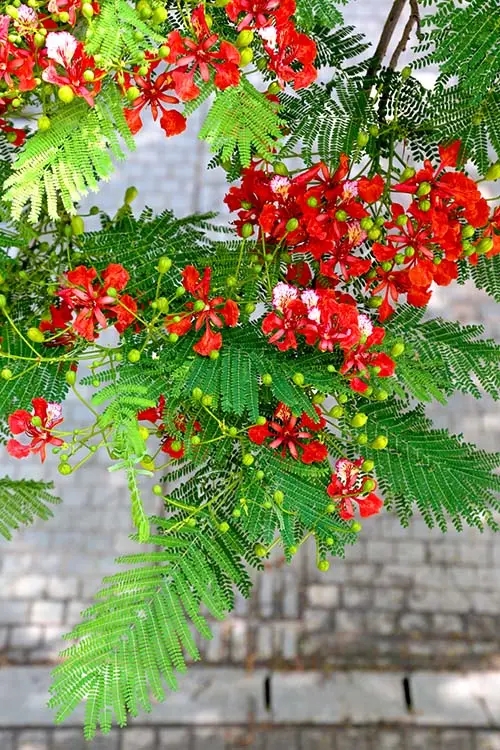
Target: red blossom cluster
[(347, 487), (96, 302), (169, 444), (294, 436), (291, 54), (338, 224), (328, 321), (203, 311), (37, 426)]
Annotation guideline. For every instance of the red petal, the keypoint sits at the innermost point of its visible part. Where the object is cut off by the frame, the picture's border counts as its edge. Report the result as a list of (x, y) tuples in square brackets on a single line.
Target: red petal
[(259, 433), (449, 154), (230, 312), (370, 505), (172, 122), (209, 342), (227, 75), (313, 452), (190, 279), (17, 449), (370, 190), (19, 421), (125, 315), (81, 276), (115, 275)]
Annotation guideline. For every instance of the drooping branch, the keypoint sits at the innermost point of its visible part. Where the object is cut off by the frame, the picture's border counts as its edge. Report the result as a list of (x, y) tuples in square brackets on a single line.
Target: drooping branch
[(413, 20), (385, 38)]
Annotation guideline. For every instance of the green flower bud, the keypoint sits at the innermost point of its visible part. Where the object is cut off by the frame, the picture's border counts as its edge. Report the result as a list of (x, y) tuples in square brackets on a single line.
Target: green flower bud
[(246, 230), (292, 225), (359, 420), (65, 94), (298, 378), (36, 335), (380, 443), (134, 355), (70, 377)]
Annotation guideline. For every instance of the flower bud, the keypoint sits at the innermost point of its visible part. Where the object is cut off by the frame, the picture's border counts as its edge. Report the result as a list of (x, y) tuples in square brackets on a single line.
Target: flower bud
[(246, 230), (246, 56), (484, 245), (380, 443), (65, 94), (244, 38), (359, 420)]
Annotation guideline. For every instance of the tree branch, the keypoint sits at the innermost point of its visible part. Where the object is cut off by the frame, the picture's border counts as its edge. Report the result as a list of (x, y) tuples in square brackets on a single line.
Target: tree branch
[(413, 20), (385, 37)]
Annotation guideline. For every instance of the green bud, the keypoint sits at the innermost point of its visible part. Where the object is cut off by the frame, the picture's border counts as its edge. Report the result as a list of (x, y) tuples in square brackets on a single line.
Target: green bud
[(291, 225), (374, 131), (323, 566), (280, 168), (70, 377), (195, 440), (380, 443), (425, 206), (484, 245), (493, 172), (374, 234), (260, 550), (336, 412), (259, 475), (6, 373), (397, 349), (246, 230), (368, 465), (134, 355), (157, 490), (133, 93), (43, 123), (223, 527), (36, 335), (77, 225), (196, 393), (247, 459), (244, 38), (298, 378), (207, 400), (468, 232), (359, 420), (267, 379), (65, 94), (159, 15), (407, 174), (214, 354), (246, 57), (362, 139), (366, 223), (375, 302), (424, 189), (406, 72), (278, 496)]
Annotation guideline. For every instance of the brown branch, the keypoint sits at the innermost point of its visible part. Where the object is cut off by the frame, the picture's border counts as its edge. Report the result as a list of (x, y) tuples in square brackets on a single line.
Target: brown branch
[(413, 20), (385, 37)]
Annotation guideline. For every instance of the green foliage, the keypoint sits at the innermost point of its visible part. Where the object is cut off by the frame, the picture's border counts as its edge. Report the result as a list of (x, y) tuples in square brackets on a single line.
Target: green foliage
[(448, 480), (241, 119), (443, 357), (62, 164), (23, 500), (117, 31), (485, 275), (136, 636), (313, 13)]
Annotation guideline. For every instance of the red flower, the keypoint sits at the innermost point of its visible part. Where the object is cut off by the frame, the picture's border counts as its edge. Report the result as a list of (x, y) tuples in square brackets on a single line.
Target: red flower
[(14, 61), (90, 299), (291, 55), (292, 434), (370, 190), (69, 54), (346, 487), (260, 13), (37, 426), (204, 311), (168, 442), (200, 55), (59, 326), (153, 93)]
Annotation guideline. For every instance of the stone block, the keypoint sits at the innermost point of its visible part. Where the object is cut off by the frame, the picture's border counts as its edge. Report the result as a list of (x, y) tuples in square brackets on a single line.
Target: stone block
[(62, 588), (25, 637), (173, 739), (33, 740), (357, 597), (487, 740), (408, 551), (421, 739), (413, 622), (348, 739), (47, 613), (380, 623), (326, 596), (451, 740), (390, 598), (13, 613), (28, 587), (316, 739), (6, 740), (438, 600), (69, 739), (138, 739)]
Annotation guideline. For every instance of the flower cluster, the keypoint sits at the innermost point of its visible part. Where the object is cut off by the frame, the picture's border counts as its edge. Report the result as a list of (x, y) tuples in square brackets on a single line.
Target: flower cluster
[(169, 443), (203, 312), (347, 487), (328, 321), (291, 54), (339, 223), (294, 436), (37, 426), (96, 302)]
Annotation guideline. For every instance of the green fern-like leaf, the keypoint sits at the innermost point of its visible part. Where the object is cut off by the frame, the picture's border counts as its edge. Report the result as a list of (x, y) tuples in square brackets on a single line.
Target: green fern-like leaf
[(241, 119), (448, 480), (136, 636), (116, 32), (22, 501), (67, 161)]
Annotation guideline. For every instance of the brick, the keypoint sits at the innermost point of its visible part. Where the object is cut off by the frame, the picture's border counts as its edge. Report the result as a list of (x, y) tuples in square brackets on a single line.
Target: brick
[(264, 648), (74, 611), (315, 619), (290, 593), (379, 551), (33, 740), (109, 741), (47, 613), (412, 622), (138, 739), (349, 622), (239, 638), (266, 593), (410, 551), (448, 624), (381, 623), (63, 588), (316, 739), (348, 739), (487, 602), (68, 739), (456, 740), (28, 587), (421, 739), (4, 632), (6, 740), (283, 739), (487, 740), (357, 597), (173, 739), (208, 739), (13, 613), (430, 600), (392, 598), (386, 740), (446, 553), (214, 647), (25, 637), (323, 596)]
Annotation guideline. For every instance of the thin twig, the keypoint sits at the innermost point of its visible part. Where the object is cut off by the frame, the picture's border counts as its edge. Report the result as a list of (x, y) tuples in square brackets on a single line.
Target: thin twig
[(385, 37), (413, 20)]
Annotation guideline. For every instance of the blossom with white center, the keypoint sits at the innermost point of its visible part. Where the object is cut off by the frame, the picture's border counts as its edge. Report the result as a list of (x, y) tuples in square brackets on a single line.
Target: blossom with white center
[(309, 298), (349, 189), (61, 47), (355, 234), (280, 185), (26, 16), (314, 314), (54, 412), (269, 35), (365, 325), (283, 294), (347, 473)]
